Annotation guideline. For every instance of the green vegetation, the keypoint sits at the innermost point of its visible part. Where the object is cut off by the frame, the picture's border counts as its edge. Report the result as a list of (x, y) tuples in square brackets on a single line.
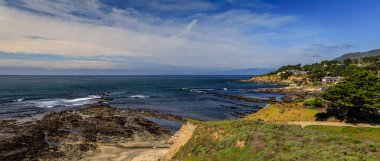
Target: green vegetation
[(285, 75), (362, 133), (332, 68), (256, 140), (357, 98), (314, 102)]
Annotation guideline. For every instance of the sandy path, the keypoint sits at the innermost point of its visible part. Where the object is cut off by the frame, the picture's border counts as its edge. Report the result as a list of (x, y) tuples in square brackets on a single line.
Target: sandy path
[(143, 151), (307, 123)]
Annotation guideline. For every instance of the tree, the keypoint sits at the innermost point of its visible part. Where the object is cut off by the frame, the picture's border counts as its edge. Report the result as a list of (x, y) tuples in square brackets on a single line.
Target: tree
[(347, 62), (356, 98), (285, 75), (317, 74)]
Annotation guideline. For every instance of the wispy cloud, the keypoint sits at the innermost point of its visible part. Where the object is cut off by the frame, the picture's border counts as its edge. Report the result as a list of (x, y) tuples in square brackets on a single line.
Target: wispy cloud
[(188, 28), (82, 30), (74, 64)]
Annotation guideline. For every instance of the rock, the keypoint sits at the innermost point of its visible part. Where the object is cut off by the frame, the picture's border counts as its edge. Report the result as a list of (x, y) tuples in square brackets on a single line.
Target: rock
[(68, 134)]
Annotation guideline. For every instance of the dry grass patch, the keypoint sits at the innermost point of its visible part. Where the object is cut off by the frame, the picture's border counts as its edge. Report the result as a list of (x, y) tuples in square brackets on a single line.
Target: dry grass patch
[(283, 112)]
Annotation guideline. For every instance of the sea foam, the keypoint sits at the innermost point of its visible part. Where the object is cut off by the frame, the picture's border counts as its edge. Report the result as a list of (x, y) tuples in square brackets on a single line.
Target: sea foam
[(50, 103), (138, 96)]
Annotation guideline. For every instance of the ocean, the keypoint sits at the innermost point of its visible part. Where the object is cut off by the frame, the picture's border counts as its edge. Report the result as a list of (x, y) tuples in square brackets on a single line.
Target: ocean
[(196, 97)]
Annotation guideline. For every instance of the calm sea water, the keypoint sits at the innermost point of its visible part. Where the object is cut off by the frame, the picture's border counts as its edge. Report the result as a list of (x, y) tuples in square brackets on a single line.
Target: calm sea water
[(194, 97)]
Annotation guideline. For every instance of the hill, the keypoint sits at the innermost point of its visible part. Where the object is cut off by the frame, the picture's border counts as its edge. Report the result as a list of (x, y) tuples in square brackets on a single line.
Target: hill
[(356, 55)]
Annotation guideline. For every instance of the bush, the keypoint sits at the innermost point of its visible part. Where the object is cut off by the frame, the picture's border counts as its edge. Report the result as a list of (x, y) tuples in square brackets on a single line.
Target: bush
[(285, 75), (314, 103)]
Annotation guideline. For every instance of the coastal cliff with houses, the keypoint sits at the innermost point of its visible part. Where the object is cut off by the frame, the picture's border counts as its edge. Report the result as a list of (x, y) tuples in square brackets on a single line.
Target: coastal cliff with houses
[(310, 80)]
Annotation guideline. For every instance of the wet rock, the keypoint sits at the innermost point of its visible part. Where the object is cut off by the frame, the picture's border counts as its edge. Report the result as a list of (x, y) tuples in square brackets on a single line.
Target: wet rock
[(293, 93), (68, 134)]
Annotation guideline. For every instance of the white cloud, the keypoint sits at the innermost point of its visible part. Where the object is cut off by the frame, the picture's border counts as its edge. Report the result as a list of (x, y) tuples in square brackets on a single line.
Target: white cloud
[(74, 64), (188, 28), (225, 40)]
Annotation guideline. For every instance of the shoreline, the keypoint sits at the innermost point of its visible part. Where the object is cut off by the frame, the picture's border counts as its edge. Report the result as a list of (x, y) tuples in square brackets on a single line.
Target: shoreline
[(144, 145), (82, 133), (98, 132), (63, 135)]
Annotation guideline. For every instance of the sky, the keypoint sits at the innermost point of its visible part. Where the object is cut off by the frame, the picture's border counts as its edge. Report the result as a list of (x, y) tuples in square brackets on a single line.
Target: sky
[(179, 36)]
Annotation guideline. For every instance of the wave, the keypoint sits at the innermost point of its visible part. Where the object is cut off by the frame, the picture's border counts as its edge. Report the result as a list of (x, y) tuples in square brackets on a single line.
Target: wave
[(138, 96), (50, 103), (18, 100), (197, 90), (90, 97)]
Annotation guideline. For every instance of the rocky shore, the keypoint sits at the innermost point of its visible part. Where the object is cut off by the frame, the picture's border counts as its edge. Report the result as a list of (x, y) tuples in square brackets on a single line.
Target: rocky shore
[(293, 92), (296, 87), (78, 134), (270, 79)]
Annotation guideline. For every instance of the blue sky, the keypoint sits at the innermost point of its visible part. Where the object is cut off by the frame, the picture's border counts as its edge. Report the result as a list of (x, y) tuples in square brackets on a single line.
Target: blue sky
[(180, 37)]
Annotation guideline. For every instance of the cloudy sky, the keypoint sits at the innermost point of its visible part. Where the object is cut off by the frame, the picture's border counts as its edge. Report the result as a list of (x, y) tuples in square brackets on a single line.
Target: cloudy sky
[(179, 37)]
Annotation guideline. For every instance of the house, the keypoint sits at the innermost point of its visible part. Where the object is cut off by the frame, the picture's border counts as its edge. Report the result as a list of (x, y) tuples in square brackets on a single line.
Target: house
[(331, 79), (294, 72), (298, 72)]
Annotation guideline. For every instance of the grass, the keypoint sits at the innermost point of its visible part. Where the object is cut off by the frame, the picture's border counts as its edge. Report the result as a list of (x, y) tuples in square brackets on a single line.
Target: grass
[(257, 140), (363, 133), (283, 112)]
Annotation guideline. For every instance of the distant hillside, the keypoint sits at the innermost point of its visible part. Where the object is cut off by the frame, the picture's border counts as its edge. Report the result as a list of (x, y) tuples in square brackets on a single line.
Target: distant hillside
[(356, 55), (254, 71)]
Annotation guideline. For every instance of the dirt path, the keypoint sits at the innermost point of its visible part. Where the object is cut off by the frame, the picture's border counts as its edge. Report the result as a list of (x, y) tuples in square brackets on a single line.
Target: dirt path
[(307, 123), (143, 151)]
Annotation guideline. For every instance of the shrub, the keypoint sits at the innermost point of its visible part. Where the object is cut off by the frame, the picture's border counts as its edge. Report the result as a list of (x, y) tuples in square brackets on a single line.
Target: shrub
[(314, 103), (285, 75)]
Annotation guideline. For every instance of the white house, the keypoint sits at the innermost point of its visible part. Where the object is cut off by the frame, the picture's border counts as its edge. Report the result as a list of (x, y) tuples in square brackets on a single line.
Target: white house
[(298, 72), (331, 79), (294, 72)]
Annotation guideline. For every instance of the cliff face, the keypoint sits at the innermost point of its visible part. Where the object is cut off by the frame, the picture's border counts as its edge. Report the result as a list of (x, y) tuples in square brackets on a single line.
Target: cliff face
[(181, 138), (276, 79), (270, 79)]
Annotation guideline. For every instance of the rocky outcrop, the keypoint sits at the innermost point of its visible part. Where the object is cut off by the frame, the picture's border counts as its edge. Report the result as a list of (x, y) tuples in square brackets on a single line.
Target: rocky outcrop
[(290, 90), (68, 135), (268, 79), (276, 79), (293, 92)]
